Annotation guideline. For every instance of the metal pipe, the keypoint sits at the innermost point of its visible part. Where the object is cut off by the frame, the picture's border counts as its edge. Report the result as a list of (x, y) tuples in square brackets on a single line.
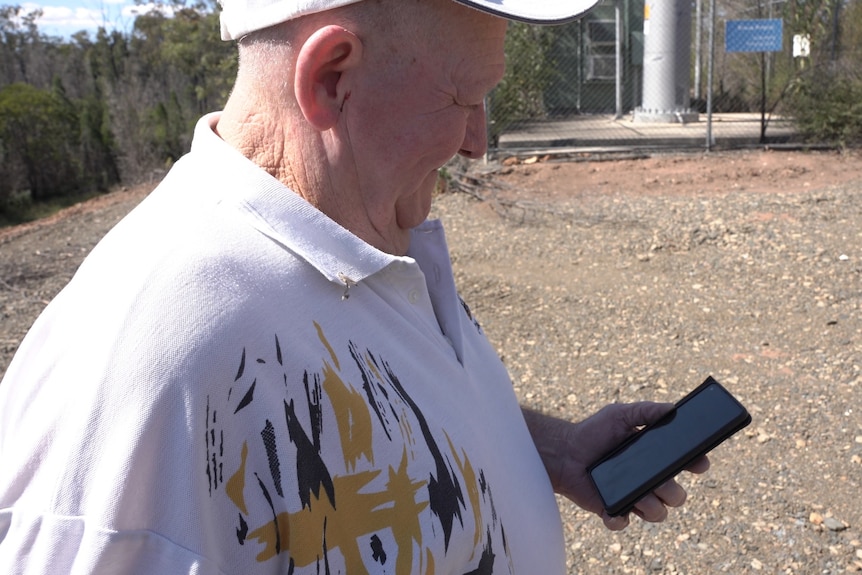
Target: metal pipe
[(667, 62), (618, 50), (698, 58), (709, 76)]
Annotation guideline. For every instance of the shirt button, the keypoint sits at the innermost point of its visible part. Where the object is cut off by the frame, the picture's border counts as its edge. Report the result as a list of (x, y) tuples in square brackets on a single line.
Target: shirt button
[(413, 296)]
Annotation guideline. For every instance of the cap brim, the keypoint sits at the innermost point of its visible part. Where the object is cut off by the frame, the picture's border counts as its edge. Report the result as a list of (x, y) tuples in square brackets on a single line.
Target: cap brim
[(534, 11)]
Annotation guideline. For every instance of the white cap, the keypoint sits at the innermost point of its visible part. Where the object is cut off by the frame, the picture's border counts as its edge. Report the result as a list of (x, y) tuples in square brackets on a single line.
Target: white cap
[(239, 17)]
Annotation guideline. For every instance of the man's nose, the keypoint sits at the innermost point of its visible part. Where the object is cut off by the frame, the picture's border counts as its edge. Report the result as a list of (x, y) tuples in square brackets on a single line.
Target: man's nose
[(475, 142)]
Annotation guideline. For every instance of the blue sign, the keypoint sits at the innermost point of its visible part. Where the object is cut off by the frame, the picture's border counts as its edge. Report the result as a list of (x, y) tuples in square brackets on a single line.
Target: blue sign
[(753, 35)]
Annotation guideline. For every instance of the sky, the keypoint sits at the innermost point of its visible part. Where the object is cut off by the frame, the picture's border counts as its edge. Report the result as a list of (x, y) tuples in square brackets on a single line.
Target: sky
[(65, 17)]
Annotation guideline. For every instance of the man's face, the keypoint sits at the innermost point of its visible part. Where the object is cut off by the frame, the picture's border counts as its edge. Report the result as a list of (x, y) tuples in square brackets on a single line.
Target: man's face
[(419, 106)]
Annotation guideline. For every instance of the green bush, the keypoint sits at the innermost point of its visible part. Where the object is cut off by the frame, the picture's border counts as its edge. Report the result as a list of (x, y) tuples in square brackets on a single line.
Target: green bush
[(827, 107), (39, 133), (529, 70)]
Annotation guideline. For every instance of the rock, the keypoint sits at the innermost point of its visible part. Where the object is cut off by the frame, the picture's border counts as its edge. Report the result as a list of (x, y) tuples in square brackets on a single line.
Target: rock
[(833, 524), (815, 518)]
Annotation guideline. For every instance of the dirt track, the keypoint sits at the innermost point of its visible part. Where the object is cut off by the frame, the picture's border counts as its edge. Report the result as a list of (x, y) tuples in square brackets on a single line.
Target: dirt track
[(634, 279)]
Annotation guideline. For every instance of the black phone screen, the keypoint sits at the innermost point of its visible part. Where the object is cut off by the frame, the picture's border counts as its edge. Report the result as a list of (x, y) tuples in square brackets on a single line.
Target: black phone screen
[(700, 422)]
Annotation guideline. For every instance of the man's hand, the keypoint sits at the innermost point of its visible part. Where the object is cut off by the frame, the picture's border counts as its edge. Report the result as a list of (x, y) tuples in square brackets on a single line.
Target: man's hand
[(567, 449)]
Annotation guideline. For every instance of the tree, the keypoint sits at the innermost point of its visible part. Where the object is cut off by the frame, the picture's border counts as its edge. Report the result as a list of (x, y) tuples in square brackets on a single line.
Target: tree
[(529, 70), (84, 113), (38, 132), (182, 70), (827, 99), (17, 32)]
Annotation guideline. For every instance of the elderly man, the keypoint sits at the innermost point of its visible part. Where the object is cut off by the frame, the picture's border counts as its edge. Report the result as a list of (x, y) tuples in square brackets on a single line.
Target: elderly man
[(266, 368)]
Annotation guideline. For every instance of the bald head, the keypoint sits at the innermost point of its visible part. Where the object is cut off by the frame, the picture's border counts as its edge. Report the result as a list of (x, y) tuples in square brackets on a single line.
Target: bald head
[(356, 108), (375, 22)]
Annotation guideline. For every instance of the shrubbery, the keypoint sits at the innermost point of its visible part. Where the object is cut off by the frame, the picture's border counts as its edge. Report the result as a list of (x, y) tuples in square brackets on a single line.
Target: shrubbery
[(529, 70), (80, 115), (39, 133), (828, 107)]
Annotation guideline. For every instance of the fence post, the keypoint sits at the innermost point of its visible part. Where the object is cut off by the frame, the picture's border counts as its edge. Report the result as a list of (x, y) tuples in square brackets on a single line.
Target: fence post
[(710, 71), (618, 49), (698, 57)]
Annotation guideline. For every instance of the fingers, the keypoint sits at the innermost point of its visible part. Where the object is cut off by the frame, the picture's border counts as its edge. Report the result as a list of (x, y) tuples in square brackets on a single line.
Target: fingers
[(615, 523), (670, 494), (653, 507), (699, 465)]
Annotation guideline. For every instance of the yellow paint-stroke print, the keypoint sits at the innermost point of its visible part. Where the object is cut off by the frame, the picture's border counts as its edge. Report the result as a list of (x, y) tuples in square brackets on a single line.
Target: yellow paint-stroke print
[(469, 476), (404, 521), (236, 484), (325, 342), (358, 514), (429, 570), (353, 421), (405, 423), (372, 367)]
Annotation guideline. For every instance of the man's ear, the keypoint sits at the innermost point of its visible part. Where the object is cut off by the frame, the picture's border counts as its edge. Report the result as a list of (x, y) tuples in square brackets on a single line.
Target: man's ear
[(318, 83)]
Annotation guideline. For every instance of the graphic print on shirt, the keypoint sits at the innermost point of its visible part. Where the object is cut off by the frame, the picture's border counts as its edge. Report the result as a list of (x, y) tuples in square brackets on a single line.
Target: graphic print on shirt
[(377, 489)]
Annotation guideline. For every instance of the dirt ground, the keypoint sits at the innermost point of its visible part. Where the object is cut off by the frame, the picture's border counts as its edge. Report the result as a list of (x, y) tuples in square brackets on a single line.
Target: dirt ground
[(604, 279)]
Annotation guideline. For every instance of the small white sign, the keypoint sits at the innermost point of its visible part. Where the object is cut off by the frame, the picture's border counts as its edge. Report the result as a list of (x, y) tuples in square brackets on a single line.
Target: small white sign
[(801, 45)]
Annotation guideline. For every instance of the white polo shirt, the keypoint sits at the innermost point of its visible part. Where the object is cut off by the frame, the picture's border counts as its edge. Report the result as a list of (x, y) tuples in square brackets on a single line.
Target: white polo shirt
[(233, 383)]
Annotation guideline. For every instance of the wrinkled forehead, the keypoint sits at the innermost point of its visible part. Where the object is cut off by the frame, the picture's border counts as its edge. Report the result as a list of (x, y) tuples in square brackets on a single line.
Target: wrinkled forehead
[(240, 17)]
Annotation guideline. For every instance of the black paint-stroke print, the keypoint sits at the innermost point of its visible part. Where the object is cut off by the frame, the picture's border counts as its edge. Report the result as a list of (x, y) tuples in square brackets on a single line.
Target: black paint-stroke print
[(444, 492), (268, 498), (326, 569), (269, 443), (214, 449), (377, 551), (313, 395), (242, 530), (486, 562), (278, 356), (368, 389), (247, 398), (311, 471), (207, 443), (485, 488), (241, 369), (470, 315)]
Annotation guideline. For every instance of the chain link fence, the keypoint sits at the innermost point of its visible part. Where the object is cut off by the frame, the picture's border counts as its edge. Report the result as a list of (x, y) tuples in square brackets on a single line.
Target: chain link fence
[(682, 74)]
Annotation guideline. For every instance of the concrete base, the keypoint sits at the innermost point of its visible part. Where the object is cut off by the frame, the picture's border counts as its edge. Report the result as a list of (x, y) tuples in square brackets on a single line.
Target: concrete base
[(666, 117), (604, 132)]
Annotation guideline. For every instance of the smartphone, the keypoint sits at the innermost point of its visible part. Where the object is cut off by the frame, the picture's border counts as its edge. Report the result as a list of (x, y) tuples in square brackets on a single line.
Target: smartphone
[(699, 422)]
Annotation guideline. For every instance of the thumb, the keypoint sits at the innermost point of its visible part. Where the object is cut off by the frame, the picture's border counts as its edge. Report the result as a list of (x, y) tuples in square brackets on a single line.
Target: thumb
[(644, 413)]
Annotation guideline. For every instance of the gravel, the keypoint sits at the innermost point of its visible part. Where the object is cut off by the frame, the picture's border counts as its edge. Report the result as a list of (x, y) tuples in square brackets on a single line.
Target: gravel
[(603, 296)]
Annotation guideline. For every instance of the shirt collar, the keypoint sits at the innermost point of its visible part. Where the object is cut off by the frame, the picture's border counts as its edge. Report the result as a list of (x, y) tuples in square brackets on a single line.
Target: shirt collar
[(285, 217)]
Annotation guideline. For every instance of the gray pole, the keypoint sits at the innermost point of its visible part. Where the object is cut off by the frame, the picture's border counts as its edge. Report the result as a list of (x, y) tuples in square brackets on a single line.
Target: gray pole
[(619, 59), (709, 75), (667, 62), (698, 29)]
